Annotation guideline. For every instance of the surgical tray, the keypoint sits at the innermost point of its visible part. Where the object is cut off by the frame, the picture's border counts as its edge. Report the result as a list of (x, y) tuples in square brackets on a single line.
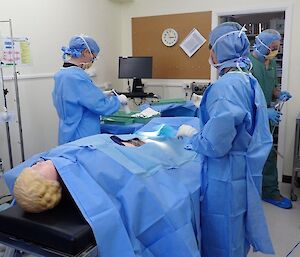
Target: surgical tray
[(123, 118), (169, 101), (118, 120), (119, 117)]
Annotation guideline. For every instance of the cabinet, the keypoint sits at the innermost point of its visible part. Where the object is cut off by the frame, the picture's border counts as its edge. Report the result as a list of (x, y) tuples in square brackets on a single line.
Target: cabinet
[(296, 160), (256, 23)]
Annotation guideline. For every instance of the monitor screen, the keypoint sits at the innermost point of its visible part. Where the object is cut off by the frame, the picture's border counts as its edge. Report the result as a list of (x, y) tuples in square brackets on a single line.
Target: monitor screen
[(135, 67)]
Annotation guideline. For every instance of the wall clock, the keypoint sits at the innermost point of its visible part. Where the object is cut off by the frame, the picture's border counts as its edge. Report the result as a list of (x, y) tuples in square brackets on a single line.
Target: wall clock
[(169, 37)]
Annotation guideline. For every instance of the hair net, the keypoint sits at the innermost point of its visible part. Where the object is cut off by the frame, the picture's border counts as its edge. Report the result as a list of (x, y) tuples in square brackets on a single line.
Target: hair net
[(231, 46), (79, 43), (263, 40)]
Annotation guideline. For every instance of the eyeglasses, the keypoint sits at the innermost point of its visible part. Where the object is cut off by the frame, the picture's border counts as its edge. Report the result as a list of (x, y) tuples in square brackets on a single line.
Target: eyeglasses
[(95, 58)]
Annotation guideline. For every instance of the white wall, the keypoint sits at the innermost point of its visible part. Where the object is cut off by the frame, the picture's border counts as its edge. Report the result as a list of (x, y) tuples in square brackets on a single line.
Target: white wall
[(157, 7), (49, 24)]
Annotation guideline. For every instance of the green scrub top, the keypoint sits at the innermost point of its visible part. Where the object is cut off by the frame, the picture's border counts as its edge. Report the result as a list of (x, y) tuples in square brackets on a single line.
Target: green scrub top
[(267, 78)]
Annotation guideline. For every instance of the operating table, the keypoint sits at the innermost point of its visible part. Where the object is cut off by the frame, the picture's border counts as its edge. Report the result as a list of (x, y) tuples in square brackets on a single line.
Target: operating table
[(67, 230), (59, 232)]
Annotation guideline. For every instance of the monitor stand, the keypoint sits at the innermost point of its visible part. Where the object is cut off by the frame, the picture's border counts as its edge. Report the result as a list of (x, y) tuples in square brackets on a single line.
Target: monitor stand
[(138, 90), (137, 86)]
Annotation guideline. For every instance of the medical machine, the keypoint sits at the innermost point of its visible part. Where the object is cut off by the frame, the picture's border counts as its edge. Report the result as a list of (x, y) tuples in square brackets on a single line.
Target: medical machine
[(136, 68), (198, 88)]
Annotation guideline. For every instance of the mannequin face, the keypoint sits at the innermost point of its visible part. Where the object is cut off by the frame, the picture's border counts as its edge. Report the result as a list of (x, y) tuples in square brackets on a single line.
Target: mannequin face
[(133, 142), (46, 169)]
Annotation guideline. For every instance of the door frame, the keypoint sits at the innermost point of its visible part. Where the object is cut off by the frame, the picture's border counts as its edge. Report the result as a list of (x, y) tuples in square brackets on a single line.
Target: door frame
[(287, 8)]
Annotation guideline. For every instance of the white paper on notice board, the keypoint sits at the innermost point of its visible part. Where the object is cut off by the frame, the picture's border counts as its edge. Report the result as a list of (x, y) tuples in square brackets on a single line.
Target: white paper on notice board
[(192, 42)]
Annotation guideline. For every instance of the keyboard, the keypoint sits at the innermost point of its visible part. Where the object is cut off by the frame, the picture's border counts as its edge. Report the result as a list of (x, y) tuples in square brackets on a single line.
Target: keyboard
[(138, 95)]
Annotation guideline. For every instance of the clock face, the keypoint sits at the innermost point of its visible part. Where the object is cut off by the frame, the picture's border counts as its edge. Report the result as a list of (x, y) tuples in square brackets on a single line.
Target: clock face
[(169, 37)]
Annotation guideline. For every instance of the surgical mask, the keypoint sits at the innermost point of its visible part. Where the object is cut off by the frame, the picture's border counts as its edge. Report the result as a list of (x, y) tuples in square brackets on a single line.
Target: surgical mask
[(272, 54), (86, 65), (217, 65), (211, 62)]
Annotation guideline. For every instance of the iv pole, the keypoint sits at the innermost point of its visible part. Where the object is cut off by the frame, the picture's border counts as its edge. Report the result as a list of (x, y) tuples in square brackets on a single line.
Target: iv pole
[(5, 92), (15, 78)]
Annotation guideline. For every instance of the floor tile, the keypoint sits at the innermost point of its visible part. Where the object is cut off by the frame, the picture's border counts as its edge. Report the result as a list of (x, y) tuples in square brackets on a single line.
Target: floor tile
[(284, 226)]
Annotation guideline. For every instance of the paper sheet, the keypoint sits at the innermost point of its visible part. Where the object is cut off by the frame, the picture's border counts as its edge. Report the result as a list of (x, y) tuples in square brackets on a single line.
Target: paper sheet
[(193, 41)]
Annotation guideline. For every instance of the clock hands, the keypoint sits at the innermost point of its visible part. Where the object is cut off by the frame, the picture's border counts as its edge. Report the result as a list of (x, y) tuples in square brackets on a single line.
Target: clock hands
[(169, 36)]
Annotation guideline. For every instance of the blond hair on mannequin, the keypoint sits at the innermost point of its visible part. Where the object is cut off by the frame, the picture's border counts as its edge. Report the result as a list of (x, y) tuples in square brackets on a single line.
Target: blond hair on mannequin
[(34, 193)]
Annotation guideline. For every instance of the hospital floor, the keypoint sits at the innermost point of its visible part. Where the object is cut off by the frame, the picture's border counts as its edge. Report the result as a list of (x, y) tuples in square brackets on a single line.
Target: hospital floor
[(284, 226)]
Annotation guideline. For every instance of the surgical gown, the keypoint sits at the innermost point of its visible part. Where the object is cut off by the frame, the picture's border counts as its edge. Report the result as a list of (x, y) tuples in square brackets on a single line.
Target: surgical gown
[(235, 141), (79, 104)]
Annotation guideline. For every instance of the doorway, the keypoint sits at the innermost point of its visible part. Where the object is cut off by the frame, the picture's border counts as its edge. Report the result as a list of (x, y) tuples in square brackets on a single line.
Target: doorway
[(256, 21)]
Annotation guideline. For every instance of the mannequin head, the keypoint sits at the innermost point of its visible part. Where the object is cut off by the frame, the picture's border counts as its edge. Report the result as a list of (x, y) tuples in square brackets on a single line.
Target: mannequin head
[(37, 188)]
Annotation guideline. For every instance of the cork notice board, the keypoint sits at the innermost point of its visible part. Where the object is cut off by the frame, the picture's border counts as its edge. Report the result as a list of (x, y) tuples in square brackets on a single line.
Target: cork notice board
[(172, 62)]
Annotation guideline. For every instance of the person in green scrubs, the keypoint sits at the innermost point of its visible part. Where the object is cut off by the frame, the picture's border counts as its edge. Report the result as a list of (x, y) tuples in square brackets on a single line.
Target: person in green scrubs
[(266, 48)]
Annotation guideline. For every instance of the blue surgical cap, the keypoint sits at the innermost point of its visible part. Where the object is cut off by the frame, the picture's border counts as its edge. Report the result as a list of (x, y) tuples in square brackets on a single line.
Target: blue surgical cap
[(231, 45), (77, 45), (266, 37)]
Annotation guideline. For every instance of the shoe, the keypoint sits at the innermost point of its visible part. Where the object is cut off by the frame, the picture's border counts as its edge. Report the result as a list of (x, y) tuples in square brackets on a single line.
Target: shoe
[(284, 203)]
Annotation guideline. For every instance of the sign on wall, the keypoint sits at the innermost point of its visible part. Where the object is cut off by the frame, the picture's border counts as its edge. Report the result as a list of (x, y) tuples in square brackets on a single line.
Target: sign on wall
[(16, 50)]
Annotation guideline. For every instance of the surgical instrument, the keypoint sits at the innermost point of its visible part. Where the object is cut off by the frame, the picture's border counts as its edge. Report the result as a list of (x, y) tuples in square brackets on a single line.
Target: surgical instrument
[(125, 106)]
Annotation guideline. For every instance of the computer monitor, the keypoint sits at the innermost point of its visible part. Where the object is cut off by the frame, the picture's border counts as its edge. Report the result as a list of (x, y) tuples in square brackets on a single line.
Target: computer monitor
[(136, 68)]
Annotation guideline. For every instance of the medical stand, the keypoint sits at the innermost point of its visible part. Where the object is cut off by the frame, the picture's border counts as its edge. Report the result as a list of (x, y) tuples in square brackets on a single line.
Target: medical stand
[(17, 99), (5, 92)]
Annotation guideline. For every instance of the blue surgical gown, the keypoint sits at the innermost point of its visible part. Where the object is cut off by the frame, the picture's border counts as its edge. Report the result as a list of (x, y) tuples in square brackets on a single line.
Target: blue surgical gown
[(235, 141), (79, 104)]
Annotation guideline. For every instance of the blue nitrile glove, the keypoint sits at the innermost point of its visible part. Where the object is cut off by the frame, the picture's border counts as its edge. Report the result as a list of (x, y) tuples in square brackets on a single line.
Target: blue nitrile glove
[(274, 115), (284, 96)]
